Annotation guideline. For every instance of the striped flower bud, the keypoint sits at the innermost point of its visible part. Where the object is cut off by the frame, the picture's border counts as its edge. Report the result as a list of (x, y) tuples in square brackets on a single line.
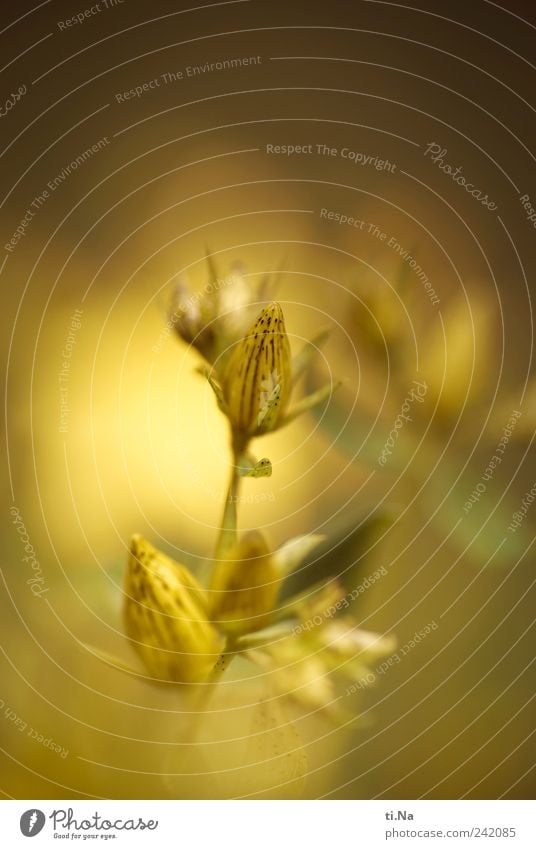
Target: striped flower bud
[(245, 586), (257, 379), (166, 617)]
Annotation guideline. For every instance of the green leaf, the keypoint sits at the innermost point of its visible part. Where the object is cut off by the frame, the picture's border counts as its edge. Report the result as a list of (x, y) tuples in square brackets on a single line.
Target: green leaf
[(350, 553), (266, 635), (480, 534), (310, 401), (214, 385), (269, 283), (303, 358), (211, 265), (294, 551), (120, 665)]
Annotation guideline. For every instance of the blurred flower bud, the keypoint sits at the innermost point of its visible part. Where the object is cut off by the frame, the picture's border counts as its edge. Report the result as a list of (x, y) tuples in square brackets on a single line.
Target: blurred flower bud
[(192, 317), (166, 617), (257, 379), (310, 665), (245, 586), (235, 305)]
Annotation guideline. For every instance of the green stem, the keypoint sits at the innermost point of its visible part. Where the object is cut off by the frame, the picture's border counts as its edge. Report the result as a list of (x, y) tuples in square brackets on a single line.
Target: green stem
[(226, 539), (227, 536)]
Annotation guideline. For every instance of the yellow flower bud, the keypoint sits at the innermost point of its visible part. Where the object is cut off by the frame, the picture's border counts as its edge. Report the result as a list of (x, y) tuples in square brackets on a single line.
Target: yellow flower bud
[(245, 586), (166, 617), (257, 379)]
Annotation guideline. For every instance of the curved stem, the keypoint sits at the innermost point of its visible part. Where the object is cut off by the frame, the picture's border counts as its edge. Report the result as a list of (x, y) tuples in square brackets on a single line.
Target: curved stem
[(227, 536)]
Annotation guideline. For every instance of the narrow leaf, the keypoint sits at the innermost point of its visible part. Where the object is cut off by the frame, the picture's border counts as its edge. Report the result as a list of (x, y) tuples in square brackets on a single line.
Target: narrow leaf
[(311, 401), (304, 357)]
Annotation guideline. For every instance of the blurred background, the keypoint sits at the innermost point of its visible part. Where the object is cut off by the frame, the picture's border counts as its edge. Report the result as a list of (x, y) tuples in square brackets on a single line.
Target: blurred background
[(109, 430)]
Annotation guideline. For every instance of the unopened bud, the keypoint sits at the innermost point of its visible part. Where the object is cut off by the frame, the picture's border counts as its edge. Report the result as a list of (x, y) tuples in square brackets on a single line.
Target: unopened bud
[(192, 316), (245, 586), (166, 617), (257, 380)]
